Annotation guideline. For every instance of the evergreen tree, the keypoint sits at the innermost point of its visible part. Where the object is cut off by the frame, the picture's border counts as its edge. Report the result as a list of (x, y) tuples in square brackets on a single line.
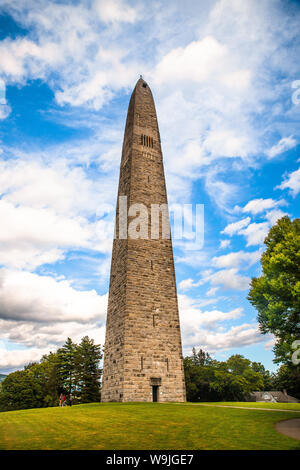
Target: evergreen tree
[(88, 371), (72, 369), (66, 369), (53, 383)]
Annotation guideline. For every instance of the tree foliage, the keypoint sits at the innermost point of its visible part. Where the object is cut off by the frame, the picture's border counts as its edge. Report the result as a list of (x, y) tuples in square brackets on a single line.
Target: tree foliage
[(276, 293), (288, 378), (72, 369), (232, 380)]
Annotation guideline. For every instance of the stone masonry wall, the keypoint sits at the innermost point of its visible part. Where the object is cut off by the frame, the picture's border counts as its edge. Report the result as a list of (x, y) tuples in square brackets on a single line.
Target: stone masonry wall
[(143, 341)]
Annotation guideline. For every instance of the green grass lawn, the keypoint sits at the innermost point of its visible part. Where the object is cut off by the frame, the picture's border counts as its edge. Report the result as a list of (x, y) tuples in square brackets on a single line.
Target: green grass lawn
[(144, 426), (274, 406)]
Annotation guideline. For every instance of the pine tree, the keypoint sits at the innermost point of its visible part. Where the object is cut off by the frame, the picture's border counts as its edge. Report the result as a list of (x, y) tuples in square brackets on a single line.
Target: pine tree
[(88, 370), (66, 366)]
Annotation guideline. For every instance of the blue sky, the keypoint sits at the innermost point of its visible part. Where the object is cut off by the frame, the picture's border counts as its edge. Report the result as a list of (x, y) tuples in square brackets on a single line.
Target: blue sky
[(224, 77)]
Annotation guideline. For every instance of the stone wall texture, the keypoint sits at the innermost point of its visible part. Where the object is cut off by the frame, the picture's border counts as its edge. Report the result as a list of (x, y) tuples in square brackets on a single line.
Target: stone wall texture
[(143, 348)]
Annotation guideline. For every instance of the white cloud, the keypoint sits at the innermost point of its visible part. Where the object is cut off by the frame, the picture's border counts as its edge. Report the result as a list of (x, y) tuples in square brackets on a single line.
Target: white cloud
[(88, 78), (235, 227), (226, 143), (204, 329), (273, 216), (255, 233), (5, 111), (230, 279), (115, 11), (40, 312), (224, 244), (292, 182), (284, 144), (29, 297), (17, 358), (221, 192), (235, 337), (200, 61), (30, 237), (261, 205), (30, 182), (47, 215), (186, 284), (237, 259), (212, 291), (192, 318)]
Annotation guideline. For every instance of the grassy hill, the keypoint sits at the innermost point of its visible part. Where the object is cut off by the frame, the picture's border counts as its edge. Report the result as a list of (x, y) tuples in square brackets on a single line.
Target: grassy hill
[(145, 426)]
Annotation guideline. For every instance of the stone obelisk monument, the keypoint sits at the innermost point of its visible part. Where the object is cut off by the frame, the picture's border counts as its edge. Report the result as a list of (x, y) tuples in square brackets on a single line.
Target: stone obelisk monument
[(143, 353)]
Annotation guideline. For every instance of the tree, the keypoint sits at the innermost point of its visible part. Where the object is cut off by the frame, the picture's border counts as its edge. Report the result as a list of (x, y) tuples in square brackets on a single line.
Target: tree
[(288, 378), (72, 369), (197, 380), (201, 357), (19, 391), (87, 376), (276, 293), (66, 366), (53, 384), (232, 380), (237, 364), (267, 377)]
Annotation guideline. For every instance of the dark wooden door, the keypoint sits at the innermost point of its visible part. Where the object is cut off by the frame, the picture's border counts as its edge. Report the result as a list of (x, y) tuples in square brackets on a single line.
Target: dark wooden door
[(155, 392)]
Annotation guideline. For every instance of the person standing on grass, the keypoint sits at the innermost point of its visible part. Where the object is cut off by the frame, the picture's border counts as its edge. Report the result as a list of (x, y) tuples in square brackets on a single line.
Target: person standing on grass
[(70, 399), (64, 401), (60, 399)]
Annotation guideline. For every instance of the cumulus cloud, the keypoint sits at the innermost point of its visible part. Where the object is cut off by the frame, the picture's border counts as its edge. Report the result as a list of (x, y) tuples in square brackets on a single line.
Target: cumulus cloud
[(284, 144), (227, 278), (245, 334), (40, 312), (115, 11), (88, 77), (237, 259), (274, 215), (230, 279), (18, 358), (29, 297), (47, 215), (186, 284), (235, 227), (255, 233), (261, 205), (206, 330), (30, 237), (201, 61), (212, 291), (292, 182), (224, 244)]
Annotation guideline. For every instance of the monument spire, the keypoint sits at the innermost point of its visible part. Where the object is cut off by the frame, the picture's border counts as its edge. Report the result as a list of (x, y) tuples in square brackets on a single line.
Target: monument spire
[(143, 352)]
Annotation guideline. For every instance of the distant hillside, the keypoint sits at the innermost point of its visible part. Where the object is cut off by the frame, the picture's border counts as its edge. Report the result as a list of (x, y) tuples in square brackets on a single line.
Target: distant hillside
[(2, 377)]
